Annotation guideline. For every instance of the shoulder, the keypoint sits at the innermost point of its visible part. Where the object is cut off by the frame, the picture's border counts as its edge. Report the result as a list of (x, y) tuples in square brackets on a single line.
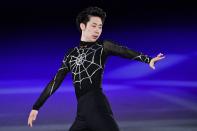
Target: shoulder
[(106, 42), (110, 42), (69, 51)]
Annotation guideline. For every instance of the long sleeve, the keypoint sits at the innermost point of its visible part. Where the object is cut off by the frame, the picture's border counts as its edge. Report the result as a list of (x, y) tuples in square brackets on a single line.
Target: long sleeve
[(53, 85), (112, 48)]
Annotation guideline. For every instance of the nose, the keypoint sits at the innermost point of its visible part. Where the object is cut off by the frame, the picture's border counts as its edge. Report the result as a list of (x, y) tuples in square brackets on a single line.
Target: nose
[(97, 31)]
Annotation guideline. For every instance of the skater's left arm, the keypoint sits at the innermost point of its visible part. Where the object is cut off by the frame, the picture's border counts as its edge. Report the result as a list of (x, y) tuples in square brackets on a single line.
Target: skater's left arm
[(115, 49), (112, 48)]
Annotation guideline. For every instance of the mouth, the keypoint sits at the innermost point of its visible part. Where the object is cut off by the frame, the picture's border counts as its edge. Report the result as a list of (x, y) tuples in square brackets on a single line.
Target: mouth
[(95, 36)]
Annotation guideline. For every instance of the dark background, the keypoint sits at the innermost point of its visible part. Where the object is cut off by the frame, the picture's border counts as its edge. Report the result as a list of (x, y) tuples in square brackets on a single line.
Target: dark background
[(35, 35)]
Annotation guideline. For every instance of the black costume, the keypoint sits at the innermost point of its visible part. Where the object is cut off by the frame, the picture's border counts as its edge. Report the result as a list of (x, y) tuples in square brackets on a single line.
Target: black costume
[(86, 63)]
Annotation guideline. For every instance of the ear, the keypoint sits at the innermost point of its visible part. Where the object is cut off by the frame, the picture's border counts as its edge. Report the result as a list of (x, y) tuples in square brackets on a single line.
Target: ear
[(82, 26)]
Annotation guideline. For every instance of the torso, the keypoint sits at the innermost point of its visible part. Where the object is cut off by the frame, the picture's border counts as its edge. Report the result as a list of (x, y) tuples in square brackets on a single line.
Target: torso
[(86, 65)]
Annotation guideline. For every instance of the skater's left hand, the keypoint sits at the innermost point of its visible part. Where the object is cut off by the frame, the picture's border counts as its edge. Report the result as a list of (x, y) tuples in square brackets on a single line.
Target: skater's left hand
[(155, 59)]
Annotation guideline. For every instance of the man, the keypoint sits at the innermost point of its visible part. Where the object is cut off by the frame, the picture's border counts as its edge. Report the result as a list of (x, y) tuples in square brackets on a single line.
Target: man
[(86, 63)]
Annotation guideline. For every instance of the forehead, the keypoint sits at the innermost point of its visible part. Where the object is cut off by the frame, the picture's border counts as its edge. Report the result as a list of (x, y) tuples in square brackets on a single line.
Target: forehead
[(95, 20)]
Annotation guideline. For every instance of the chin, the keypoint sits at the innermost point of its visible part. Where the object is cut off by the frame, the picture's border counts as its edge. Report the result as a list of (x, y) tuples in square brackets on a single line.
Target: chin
[(93, 40)]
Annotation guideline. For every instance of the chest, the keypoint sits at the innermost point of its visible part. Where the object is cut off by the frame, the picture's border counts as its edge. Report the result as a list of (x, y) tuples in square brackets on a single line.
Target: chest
[(83, 58)]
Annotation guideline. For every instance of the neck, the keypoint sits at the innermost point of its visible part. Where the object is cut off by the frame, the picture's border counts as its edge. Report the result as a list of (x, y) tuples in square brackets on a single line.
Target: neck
[(84, 43), (83, 38)]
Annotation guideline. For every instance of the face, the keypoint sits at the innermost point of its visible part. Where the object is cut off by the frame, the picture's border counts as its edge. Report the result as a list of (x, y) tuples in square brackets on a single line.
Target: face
[(92, 30)]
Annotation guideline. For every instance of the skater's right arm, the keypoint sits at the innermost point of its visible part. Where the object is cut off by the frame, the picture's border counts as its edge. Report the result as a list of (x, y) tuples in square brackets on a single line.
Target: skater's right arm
[(51, 87)]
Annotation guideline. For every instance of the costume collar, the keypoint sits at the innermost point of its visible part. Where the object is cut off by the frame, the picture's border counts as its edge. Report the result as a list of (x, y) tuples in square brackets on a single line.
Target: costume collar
[(86, 43)]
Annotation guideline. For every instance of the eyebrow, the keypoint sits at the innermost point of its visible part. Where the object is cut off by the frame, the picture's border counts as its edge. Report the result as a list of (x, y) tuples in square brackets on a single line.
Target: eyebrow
[(96, 24)]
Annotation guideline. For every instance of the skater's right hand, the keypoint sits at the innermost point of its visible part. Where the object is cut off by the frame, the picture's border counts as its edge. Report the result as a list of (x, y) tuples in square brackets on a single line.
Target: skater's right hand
[(32, 117)]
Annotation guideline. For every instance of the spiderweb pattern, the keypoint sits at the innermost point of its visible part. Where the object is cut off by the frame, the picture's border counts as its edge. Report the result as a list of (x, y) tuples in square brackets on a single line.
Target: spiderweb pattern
[(83, 65)]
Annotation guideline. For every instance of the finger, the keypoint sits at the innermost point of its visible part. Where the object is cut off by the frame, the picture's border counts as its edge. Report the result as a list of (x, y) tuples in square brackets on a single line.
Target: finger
[(159, 55), (162, 57), (30, 123), (152, 66), (30, 120), (159, 58), (34, 118)]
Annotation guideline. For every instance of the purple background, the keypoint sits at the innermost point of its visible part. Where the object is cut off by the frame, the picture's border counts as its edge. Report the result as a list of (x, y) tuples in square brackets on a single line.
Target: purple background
[(34, 36)]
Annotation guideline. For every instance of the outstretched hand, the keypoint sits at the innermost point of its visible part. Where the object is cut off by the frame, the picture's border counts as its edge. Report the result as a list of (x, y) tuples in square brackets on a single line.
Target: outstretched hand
[(155, 59), (32, 117)]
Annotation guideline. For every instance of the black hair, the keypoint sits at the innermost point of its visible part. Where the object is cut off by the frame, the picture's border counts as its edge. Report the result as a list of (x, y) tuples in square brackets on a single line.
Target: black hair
[(84, 16)]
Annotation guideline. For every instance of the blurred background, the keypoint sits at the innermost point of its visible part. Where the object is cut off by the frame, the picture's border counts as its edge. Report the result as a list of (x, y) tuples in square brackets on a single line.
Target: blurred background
[(35, 35)]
